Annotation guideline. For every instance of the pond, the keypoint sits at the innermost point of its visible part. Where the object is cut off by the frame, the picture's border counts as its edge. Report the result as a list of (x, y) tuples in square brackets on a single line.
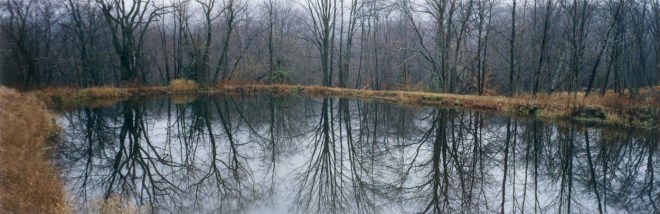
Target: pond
[(290, 154)]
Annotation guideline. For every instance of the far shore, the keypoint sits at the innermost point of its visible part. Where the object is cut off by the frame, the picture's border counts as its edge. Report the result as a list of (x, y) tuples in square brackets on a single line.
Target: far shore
[(611, 109)]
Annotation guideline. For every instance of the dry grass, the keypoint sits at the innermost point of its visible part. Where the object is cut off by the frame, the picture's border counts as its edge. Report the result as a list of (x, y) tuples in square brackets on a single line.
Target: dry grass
[(114, 205), (88, 96), (102, 92), (405, 97), (619, 110), (87, 93), (67, 97), (29, 183), (183, 85)]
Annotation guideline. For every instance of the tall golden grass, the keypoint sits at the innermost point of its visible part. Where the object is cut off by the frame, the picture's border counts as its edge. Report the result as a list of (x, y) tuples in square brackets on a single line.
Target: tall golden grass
[(183, 85), (29, 183)]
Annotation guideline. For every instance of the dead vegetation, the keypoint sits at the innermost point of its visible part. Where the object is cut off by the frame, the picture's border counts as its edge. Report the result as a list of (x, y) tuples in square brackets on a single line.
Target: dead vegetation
[(115, 204), (102, 96), (29, 183), (618, 110), (183, 85)]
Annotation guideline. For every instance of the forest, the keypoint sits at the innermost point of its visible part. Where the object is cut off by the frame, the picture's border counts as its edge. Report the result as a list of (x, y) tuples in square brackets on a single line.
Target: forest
[(482, 47)]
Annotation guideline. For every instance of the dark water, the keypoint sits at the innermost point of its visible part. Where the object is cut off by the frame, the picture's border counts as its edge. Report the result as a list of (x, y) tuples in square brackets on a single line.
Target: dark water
[(303, 155)]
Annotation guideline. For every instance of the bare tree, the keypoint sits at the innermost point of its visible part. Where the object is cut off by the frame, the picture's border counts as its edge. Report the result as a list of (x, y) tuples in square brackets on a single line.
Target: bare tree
[(208, 9), (230, 13), (129, 23), (544, 43), (21, 29), (323, 14), (512, 50), (346, 40)]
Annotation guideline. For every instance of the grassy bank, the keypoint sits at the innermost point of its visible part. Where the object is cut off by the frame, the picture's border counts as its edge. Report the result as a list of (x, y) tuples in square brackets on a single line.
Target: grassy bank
[(611, 109), (29, 182)]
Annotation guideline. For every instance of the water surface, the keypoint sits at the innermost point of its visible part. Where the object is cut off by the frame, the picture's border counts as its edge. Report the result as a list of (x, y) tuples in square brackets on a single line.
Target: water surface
[(271, 154)]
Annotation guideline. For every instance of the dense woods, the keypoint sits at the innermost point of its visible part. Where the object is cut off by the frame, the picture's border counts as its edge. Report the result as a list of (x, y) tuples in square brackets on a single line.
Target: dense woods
[(457, 46)]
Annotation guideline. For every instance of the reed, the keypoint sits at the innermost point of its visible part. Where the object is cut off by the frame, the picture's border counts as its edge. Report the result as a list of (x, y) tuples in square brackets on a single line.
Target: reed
[(183, 85), (29, 182)]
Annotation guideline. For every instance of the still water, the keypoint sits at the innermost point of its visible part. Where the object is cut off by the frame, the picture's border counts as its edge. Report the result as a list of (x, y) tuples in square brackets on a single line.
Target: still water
[(271, 154)]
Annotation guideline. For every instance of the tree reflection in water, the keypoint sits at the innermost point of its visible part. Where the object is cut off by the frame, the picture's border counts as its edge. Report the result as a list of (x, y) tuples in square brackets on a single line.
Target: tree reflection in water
[(302, 155)]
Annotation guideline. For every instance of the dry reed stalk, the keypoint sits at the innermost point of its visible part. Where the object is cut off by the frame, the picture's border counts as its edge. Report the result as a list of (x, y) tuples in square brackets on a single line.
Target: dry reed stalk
[(183, 85), (29, 182)]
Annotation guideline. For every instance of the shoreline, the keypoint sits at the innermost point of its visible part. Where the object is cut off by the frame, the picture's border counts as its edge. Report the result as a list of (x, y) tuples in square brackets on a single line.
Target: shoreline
[(611, 109), (29, 180)]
